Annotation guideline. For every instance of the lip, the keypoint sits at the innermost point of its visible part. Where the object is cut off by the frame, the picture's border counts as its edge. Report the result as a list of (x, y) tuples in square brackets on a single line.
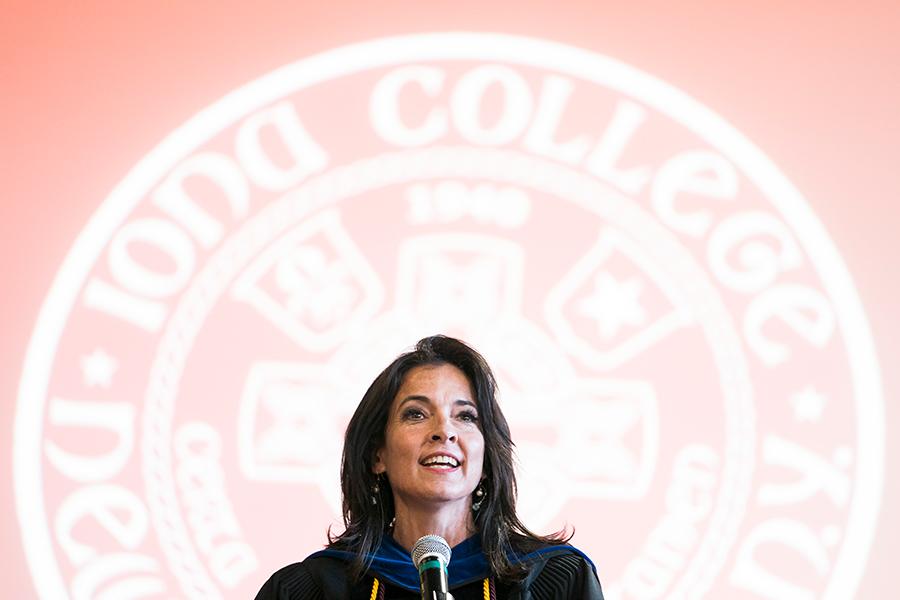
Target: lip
[(442, 469)]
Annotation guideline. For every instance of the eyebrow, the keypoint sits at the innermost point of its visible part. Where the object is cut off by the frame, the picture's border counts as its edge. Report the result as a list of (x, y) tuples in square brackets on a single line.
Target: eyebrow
[(427, 400)]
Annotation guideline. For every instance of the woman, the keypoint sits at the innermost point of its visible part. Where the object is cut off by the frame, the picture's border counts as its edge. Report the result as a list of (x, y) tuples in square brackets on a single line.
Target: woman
[(429, 452)]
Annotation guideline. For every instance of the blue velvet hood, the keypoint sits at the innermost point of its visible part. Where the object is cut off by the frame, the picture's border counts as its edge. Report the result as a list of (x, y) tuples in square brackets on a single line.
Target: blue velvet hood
[(393, 563)]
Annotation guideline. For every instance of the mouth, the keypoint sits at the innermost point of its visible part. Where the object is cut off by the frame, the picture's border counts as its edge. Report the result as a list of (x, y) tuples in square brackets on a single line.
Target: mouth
[(440, 462)]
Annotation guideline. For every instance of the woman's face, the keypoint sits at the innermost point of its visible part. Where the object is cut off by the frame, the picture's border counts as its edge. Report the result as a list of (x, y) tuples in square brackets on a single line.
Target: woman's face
[(433, 447)]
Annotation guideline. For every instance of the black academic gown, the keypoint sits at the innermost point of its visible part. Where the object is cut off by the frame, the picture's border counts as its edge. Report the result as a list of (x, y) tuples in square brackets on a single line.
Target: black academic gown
[(553, 573)]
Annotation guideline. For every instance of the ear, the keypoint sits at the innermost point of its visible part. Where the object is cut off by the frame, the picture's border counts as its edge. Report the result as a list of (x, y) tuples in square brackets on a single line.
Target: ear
[(377, 464)]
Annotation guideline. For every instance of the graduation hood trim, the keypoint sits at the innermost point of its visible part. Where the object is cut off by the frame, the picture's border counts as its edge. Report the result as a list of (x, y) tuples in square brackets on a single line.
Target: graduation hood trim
[(393, 563)]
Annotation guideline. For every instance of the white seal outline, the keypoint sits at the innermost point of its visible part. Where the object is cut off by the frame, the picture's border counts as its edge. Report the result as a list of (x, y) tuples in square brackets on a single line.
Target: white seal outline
[(321, 192), (583, 64)]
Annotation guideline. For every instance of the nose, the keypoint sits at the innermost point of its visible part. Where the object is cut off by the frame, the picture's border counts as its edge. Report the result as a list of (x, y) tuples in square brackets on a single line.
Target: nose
[(443, 430)]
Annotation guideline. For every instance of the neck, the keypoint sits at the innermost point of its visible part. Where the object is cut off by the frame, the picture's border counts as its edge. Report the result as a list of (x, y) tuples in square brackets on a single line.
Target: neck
[(452, 522)]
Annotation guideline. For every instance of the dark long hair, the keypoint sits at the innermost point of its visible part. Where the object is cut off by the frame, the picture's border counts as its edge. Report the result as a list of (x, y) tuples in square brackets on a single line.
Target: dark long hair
[(367, 522)]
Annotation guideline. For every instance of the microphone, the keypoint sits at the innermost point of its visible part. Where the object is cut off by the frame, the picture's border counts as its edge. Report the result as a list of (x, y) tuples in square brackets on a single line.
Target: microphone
[(431, 555)]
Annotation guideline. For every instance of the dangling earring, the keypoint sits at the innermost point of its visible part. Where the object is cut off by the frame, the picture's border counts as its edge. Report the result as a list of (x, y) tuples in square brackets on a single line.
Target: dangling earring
[(479, 497), (376, 490)]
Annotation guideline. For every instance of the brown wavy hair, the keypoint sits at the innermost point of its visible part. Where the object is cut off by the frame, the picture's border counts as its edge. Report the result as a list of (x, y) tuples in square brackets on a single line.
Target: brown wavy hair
[(366, 523)]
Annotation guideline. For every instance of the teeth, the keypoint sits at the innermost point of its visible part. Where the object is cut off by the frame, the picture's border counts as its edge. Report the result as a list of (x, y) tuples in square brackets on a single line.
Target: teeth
[(441, 460)]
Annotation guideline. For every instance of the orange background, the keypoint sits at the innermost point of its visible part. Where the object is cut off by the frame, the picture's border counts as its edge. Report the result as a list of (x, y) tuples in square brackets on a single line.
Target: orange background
[(88, 91)]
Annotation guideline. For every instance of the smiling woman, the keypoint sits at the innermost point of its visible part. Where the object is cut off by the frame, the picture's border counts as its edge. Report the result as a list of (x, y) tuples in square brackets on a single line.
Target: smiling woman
[(428, 451), (433, 454)]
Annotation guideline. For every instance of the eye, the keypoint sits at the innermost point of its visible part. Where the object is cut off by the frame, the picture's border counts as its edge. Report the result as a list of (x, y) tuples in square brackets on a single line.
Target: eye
[(468, 416), (412, 414)]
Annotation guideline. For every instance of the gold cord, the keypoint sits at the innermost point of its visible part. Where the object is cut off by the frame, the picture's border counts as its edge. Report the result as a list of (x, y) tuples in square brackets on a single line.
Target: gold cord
[(485, 586)]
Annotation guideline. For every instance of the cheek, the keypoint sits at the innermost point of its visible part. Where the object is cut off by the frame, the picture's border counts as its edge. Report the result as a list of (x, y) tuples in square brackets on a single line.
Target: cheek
[(403, 450), (476, 453)]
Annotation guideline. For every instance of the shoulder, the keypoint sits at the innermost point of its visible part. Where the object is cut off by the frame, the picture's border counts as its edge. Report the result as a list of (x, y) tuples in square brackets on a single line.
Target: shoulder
[(312, 579), (290, 582), (561, 572)]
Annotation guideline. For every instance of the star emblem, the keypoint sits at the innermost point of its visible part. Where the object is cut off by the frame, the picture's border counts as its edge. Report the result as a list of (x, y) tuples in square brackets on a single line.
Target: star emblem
[(613, 304), (98, 368)]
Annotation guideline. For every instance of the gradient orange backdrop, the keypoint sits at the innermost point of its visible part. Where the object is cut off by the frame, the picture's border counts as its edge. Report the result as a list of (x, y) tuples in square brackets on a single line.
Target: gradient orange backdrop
[(88, 91)]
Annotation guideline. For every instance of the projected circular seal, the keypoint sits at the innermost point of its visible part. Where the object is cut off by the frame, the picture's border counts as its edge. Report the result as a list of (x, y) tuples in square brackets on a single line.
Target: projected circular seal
[(681, 354)]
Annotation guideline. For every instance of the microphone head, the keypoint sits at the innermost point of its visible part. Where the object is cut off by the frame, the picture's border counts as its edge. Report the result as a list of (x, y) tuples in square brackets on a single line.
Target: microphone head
[(430, 545)]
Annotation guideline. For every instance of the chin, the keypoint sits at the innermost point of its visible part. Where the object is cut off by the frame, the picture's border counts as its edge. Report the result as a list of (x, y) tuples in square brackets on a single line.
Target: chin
[(444, 497)]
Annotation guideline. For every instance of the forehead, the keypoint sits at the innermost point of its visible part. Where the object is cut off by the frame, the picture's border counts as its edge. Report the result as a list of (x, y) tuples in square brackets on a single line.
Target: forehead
[(439, 379)]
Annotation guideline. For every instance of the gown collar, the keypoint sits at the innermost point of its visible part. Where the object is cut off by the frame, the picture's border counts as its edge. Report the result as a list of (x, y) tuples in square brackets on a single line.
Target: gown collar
[(392, 562)]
